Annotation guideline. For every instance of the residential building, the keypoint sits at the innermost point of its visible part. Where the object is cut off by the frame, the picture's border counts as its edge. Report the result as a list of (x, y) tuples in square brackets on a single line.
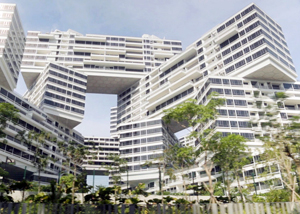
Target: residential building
[(244, 59), (12, 41), (100, 148), (17, 156)]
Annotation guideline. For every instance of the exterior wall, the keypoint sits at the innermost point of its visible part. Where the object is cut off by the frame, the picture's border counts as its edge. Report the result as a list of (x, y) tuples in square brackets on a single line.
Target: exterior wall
[(117, 60), (244, 55), (238, 58), (60, 92), (34, 119), (113, 121), (100, 148), (12, 41)]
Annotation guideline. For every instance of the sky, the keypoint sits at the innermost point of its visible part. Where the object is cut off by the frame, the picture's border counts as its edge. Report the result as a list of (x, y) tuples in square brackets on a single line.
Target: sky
[(180, 20)]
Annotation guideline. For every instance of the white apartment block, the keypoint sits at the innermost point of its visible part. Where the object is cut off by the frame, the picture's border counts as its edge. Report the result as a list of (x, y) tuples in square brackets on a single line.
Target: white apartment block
[(244, 56), (60, 92), (31, 117), (113, 121), (245, 59), (111, 63), (12, 40), (100, 148)]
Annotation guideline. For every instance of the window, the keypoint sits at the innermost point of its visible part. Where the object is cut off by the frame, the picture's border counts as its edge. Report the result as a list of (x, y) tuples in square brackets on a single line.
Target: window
[(238, 92), (229, 69), (236, 46), (243, 124), (231, 113), (215, 81), (222, 112), (240, 63), (222, 123), (242, 113), (229, 102), (233, 124), (238, 54), (227, 51), (236, 82), (227, 91), (228, 60)]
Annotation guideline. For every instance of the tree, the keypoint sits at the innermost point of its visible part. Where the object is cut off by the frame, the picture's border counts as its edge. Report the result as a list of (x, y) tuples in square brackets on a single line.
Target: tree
[(161, 162), (231, 155), (67, 181), (75, 154), (8, 113), (179, 159), (118, 166), (40, 160), (22, 186), (281, 139), (190, 114), (36, 140)]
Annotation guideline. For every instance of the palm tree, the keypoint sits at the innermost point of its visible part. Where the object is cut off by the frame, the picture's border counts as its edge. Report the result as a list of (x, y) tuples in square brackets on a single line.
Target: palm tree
[(75, 154)]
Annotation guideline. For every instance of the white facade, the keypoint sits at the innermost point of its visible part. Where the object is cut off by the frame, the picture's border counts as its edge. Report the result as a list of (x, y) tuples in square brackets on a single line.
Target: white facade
[(111, 63), (60, 92), (100, 148), (113, 121), (31, 117), (12, 39)]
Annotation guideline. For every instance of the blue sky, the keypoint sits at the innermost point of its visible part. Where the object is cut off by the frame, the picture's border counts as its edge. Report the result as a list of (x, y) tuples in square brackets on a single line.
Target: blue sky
[(181, 20)]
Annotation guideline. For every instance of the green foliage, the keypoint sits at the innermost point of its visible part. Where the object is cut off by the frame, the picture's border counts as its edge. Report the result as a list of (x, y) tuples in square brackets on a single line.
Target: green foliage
[(281, 95), (155, 201), (275, 195), (231, 155), (7, 113), (139, 190), (168, 199), (21, 185), (180, 201), (4, 191), (3, 172), (67, 181), (75, 154), (54, 196), (192, 113), (102, 196)]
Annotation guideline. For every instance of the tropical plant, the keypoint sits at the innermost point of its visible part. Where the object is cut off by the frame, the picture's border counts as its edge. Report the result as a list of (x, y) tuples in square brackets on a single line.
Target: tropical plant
[(22, 186), (282, 141), (139, 190), (8, 113), (101, 196), (4, 191), (115, 169), (75, 154), (190, 114), (231, 155)]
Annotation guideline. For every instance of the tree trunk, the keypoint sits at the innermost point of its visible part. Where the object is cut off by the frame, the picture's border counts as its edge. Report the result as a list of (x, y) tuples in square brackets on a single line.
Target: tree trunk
[(211, 187), (73, 185), (39, 187), (297, 163), (228, 186), (240, 188), (161, 191)]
